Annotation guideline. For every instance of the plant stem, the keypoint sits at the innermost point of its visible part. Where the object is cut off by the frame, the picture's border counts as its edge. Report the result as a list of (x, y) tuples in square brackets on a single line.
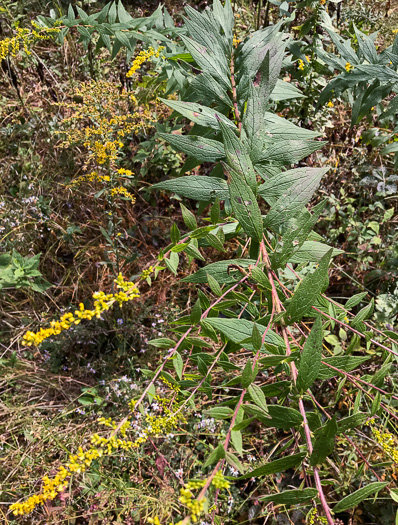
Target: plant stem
[(307, 431)]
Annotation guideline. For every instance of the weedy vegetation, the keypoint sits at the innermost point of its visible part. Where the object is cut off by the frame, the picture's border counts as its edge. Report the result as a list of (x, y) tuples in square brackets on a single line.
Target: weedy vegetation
[(198, 263)]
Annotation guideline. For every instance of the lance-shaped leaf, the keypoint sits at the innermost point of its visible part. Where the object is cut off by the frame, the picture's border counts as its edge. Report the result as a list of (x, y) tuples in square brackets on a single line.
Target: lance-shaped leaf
[(287, 152), (225, 17), (203, 149), (291, 497), (217, 454), (205, 86), (297, 231), (353, 421), (308, 290), (244, 204), (356, 497), (312, 251), (311, 357), (324, 442), (278, 185), (278, 465), (269, 71), (206, 29), (285, 91), (224, 272), (207, 61), (281, 128), (346, 363), (199, 114), (238, 330), (255, 49), (283, 417), (292, 201), (196, 187), (238, 157), (253, 124)]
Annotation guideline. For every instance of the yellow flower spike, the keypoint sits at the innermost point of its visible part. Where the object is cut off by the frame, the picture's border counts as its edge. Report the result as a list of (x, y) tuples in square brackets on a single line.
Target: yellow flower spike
[(301, 64)]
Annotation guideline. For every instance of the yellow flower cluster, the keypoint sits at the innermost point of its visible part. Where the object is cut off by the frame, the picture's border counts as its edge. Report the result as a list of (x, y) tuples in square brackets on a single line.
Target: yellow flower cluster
[(23, 39), (385, 440), (176, 388), (330, 104), (301, 64), (348, 67), (146, 273), (219, 481), (93, 176), (142, 57), (195, 506), (51, 488), (102, 302), (313, 518), (105, 152), (100, 447), (322, 2), (100, 116), (236, 41), (123, 193), (155, 520)]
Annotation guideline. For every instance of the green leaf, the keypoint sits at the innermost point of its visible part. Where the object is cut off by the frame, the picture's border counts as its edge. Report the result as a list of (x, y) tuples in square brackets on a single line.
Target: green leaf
[(178, 365), (294, 237), (162, 342), (324, 442), (196, 187), (291, 497), (258, 396), (311, 357), (312, 251), (356, 497), (285, 91), (196, 313), (175, 234), (172, 262), (256, 338), (188, 217), (375, 404), (222, 271), (355, 299), (215, 242), (236, 435), (292, 201), (353, 421), (363, 314), (193, 251), (248, 375), (260, 277), (308, 290), (217, 454), (234, 462), (220, 412), (237, 330), (243, 424), (207, 61), (276, 466), (214, 286), (203, 149), (197, 341), (199, 114), (346, 363), (215, 211), (238, 157), (245, 206)]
